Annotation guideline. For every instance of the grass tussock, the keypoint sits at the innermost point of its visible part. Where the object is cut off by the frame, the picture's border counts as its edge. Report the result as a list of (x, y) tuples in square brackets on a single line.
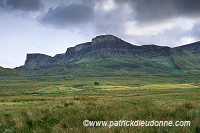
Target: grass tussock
[(69, 118)]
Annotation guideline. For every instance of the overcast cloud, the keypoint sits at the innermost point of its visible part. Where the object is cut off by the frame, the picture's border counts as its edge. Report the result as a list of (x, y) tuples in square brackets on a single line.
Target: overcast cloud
[(159, 10), (64, 15), (23, 5), (59, 24)]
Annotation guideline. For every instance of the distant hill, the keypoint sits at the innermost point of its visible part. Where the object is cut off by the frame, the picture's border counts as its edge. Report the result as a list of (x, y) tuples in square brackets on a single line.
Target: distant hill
[(110, 55), (10, 72)]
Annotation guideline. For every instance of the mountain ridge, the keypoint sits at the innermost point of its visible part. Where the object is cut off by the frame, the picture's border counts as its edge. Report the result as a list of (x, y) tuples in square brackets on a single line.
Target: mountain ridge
[(109, 46)]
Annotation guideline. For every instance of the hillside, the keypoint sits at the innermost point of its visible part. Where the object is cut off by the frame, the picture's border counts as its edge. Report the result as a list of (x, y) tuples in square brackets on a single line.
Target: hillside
[(10, 72), (108, 55)]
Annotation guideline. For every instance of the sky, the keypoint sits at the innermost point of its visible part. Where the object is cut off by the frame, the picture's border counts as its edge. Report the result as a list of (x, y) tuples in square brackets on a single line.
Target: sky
[(51, 26)]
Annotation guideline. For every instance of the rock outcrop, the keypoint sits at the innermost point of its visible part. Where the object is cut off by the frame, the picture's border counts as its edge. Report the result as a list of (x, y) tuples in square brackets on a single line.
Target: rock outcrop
[(79, 50), (38, 59), (193, 48), (59, 56)]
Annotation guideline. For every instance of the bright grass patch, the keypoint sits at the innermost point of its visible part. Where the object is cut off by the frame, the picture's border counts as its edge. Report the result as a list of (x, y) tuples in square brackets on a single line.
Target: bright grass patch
[(153, 86)]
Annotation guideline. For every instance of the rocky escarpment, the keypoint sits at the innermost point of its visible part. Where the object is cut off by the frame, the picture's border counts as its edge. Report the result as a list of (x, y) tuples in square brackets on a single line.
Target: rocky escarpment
[(109, 45), (78, 51), (193, 48), (100, 45), (59, 57), (38, 59)]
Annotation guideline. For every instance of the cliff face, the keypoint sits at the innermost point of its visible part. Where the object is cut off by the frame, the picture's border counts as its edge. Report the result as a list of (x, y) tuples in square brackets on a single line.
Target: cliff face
[(78, 50), (59, 57), (38, 59), (193, 48), (108, 45)]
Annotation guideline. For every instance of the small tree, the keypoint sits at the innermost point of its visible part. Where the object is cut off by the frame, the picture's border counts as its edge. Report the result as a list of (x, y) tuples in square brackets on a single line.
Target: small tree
[(96, 83)]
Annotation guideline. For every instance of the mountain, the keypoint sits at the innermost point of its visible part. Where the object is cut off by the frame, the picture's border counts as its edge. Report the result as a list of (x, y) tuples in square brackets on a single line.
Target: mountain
[(110, 55)]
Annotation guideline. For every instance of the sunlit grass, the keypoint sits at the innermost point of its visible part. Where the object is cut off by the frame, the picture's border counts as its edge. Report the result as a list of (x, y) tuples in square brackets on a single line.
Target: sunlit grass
[(151, 86)]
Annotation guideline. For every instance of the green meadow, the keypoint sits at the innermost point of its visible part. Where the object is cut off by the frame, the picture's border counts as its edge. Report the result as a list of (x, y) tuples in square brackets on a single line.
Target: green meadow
[(60, 104)]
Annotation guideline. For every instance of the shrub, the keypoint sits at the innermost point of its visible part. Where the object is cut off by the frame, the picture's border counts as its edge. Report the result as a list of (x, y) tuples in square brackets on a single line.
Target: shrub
[(96, 83)]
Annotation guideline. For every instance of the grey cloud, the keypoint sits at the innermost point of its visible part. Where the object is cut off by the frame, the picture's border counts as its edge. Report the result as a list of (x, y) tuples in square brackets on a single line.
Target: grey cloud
[(65, 15), (158, 10), (153, 10), (187, 7), (23, 5), (111, 22), (2, 4)]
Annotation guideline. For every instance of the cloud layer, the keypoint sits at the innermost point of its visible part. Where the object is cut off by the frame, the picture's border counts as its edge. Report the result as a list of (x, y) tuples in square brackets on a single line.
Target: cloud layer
[(140, 21), (158, 10), (64, 15), (125, 17), (21, 5)]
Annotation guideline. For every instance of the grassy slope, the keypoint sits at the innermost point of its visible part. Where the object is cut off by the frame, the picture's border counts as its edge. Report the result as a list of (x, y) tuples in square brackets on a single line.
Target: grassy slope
[(188, 62), (121, 65), (111, 66)]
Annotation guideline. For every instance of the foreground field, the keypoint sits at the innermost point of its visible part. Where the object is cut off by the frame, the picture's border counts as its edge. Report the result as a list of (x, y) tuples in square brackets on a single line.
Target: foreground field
[(61, 103)]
